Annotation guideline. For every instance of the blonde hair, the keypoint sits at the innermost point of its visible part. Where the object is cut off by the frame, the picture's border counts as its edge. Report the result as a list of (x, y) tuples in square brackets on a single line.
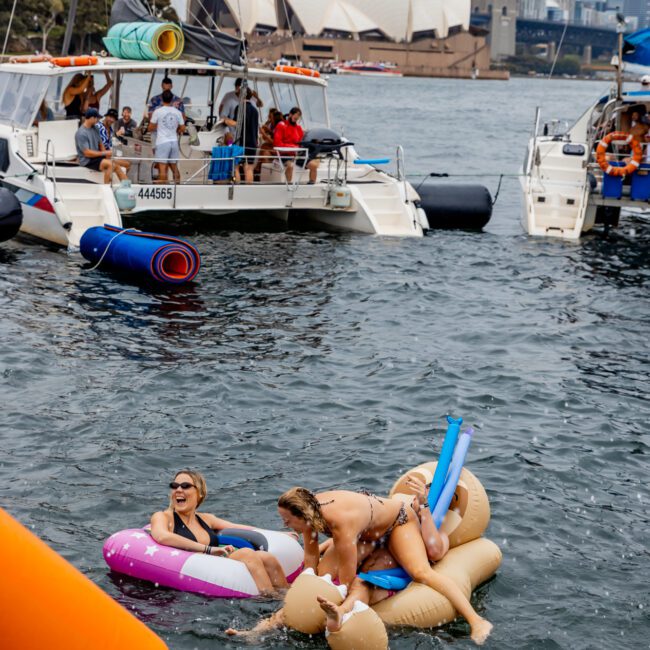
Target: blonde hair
[(199, 484), (300, 502)]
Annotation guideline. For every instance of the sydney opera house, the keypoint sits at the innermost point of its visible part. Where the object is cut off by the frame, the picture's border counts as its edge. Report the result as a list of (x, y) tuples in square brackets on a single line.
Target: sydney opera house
[(422, 37)]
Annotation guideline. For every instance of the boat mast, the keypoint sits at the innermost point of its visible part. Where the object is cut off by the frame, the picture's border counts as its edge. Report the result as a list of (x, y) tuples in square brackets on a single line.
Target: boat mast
[(620, 28), (72, 13)]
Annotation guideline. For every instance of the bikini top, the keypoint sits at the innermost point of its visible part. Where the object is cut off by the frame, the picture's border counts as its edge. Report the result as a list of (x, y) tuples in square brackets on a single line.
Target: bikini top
[(181, 529)]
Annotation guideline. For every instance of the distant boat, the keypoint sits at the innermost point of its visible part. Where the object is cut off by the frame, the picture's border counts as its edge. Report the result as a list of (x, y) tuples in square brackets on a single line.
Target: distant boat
[(370, 69)]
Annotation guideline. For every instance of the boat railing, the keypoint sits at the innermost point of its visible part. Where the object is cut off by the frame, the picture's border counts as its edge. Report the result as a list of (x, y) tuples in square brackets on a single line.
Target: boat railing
[(198, 170), (50, 168), (400, 171)]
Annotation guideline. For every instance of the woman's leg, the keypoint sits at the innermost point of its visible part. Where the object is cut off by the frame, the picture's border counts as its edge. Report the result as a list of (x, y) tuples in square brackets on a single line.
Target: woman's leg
[(274, 570), (256, 568), (265, 625), (408, 549)]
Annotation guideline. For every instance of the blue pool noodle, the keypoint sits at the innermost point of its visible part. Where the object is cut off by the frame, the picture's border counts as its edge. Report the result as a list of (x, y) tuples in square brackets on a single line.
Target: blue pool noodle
[(455, 468), (142, 255), (446, 454), (395, 579)]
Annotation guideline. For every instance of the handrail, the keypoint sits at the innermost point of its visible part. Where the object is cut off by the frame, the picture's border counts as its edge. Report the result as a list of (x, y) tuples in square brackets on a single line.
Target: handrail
[(47, 166), (401, 169)]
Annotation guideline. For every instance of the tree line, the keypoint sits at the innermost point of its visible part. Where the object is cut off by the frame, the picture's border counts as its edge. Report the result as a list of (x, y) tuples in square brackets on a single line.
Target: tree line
[(39, 25)]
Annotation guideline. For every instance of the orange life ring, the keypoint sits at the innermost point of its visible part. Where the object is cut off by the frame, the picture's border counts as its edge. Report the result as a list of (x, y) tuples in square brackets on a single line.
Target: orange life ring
[(305, 72), (32, 58), (73, 61), (625, 138)]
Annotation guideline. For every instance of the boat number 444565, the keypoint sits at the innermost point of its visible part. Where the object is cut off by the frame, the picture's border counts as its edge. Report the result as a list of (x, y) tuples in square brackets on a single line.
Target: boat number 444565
[(156, 193)]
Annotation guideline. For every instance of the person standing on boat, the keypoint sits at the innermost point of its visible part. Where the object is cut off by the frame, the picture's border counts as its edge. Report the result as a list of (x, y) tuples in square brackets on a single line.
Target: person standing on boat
[(288, 134), (157, 100), (168, 123), (248, 136), (230, 101), (74, 96), (93, 97), (92, 153)]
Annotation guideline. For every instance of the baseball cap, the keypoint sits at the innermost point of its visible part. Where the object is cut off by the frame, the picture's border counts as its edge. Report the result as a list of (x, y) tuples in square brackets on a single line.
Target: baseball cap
[(91, 112), (112, 112)]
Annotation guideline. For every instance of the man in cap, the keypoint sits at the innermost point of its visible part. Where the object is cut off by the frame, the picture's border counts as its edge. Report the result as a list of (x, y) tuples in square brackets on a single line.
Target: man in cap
[(157, 102), (90, 150)]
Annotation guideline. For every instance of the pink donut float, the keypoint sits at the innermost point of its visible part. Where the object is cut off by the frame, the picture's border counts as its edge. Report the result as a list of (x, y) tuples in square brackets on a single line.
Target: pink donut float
[(135, 553)]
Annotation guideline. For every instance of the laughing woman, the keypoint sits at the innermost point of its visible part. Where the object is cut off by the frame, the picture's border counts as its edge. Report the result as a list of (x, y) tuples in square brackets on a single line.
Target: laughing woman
[(183, 527)]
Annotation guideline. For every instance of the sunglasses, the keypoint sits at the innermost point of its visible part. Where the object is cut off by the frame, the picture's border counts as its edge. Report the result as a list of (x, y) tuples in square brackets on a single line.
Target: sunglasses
[(183, 486)]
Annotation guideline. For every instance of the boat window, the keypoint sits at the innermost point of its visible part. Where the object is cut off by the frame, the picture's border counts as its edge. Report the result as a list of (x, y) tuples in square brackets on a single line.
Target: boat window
[(285, 95), (312, 102), (20, 97), (263, 89)]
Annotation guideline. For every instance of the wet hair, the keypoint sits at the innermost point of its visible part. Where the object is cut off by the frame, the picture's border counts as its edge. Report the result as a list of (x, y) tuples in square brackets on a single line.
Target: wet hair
[(302, 503), (199, 483), (167, 97)]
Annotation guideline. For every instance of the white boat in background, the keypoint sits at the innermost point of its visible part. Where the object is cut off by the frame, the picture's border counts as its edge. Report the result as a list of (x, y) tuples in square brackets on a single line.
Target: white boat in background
[(577, 177), (369, 69), (61, 199)]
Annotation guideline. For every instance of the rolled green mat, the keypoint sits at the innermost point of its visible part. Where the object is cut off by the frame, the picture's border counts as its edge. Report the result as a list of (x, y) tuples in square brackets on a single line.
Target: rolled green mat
[(145, 41)]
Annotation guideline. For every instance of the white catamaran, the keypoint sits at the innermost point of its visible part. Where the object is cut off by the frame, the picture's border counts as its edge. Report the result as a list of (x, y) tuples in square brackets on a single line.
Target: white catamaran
[(61, 199)]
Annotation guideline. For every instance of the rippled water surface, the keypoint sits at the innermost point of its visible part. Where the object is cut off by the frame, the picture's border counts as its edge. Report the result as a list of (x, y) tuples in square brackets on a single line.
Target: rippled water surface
[(331, 360)]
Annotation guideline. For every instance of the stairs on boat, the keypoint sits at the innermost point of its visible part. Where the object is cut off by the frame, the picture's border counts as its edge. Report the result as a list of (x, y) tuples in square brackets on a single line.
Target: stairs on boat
[(385, 207)]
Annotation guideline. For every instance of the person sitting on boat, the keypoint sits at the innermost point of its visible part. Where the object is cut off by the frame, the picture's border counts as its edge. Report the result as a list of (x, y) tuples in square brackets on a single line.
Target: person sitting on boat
[(92, 153), (288, 134), (266, 135), (93, 96), (248, 136), (372, 533), (168, 123), (73, 97), (181, 526), (157, 100), (126, 124), (44, 114), (106, 131)]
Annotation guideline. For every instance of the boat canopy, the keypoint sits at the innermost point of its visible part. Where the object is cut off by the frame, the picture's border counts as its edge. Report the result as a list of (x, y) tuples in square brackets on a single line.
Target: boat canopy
[(636, 47), (199, 41)]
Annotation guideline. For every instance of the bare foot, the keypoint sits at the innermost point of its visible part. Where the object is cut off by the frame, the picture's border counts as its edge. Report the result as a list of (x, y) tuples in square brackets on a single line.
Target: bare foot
[(231, 631), (481, 631), (333, 612)]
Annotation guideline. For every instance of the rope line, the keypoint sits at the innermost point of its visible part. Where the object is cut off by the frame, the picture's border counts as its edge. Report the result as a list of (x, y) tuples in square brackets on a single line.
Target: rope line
[(101, 259)]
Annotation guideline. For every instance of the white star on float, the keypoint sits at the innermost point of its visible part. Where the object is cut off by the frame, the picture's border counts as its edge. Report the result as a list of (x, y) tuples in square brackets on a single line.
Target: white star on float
[(151, 550), (138, 535), (126, 547), (175, 553)]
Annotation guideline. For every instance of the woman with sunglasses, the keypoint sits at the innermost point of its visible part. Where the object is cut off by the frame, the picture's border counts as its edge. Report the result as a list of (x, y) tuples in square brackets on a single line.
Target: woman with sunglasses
[(181, 526)]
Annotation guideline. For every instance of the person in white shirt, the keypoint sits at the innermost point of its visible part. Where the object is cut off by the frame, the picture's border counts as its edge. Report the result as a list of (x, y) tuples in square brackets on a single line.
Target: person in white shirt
[(168, 123), (230, 102)]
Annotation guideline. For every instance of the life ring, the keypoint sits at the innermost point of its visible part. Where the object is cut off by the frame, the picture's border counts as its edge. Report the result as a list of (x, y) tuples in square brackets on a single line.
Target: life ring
[(74, 61), (305, 72), (625, 138), (135, 553), (33, 58)]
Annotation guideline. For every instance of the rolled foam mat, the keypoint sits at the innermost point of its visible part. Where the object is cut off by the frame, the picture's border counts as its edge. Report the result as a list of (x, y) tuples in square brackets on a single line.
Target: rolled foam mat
[(145, 254), (145, 41)]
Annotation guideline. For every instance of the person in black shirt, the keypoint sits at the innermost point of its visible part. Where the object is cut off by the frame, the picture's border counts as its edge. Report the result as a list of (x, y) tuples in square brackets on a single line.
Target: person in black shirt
[(126, 123), (248, 136)]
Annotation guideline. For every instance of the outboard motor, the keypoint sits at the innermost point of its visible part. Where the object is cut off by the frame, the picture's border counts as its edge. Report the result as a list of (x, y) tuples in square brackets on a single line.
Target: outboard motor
[(11, 214), (449, 206)]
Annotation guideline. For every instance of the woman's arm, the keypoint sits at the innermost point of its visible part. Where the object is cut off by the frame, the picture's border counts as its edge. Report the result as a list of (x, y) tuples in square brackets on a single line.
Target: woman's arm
[(346, 551), (100, 93), (161, 533), (312, 553)]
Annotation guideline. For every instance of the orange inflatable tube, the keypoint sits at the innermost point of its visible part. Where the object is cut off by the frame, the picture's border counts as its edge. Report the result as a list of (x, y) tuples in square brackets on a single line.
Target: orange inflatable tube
[(46, 603), (73, 61)]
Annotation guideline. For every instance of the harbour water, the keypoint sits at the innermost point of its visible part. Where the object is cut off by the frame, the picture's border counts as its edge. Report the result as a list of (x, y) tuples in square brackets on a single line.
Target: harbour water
[(330, 360)]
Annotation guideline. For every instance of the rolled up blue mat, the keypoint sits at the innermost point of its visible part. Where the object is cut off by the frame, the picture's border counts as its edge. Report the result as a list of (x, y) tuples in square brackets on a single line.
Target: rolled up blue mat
[(143, 254), (446, 454), (455, 468)]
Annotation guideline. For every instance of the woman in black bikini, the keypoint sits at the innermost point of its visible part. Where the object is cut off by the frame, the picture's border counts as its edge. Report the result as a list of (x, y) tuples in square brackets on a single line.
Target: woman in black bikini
[(181, 526), (358, 524)]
